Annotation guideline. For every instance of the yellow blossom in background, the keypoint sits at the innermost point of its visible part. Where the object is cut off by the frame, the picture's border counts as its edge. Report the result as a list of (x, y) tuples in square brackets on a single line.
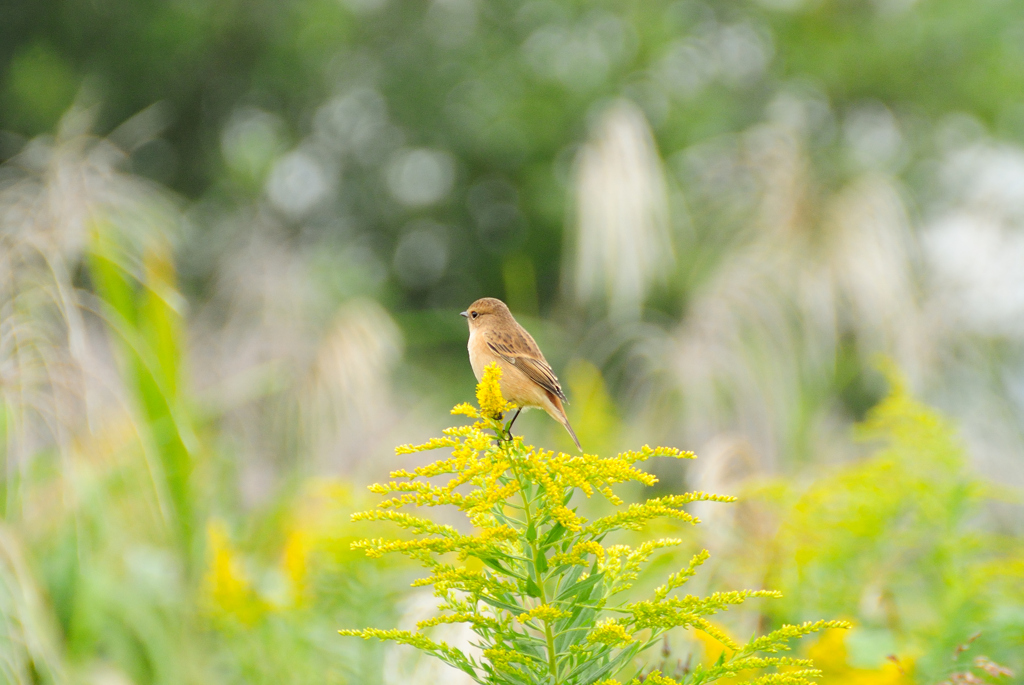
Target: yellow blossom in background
[(830, 654), (713, 648), (229, 591), (295, 562), (309, 527), (594, 407)]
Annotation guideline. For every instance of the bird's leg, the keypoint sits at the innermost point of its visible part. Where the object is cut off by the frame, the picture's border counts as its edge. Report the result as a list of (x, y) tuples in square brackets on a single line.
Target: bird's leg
[(508, 428)]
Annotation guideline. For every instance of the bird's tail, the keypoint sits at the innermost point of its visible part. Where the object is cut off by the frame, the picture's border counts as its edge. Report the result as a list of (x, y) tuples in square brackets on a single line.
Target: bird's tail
[(572, 433), (557, 412)]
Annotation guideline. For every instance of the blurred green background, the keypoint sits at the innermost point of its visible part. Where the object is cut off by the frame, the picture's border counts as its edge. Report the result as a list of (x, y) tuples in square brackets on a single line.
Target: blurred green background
[(234, 241)]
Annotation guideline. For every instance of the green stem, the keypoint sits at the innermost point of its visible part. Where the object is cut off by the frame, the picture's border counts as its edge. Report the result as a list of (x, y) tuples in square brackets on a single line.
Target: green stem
[(548, 634)]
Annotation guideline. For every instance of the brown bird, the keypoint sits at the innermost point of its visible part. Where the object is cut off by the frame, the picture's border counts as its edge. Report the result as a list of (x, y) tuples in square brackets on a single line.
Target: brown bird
[(526, 377)]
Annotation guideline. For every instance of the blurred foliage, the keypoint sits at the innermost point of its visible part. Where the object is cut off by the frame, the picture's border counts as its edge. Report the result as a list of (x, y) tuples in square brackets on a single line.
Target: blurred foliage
[(899, 543), (507, 88), (143, 315), (123, 559)]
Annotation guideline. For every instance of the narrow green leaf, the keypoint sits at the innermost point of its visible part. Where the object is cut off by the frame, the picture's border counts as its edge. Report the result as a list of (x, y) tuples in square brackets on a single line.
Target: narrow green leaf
[(578, 589), (553, 535), (499, 604), (495, 564)]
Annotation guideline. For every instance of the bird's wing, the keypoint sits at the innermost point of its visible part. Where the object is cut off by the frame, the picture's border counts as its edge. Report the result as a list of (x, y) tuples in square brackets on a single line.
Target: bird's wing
[(521, 351)]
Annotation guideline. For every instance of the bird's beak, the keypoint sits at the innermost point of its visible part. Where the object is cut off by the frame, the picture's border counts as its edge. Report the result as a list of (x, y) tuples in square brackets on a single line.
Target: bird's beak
[(465, 314)]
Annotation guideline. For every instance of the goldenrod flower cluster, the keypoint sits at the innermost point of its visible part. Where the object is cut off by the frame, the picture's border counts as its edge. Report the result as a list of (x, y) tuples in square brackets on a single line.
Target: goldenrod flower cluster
[(534, 579), (543, 612), (609, 632), (488, 394)]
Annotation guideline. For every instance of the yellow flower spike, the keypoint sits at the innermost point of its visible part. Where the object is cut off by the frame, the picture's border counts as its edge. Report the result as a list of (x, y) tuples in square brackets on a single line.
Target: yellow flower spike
[(580, 552), (567, 518), (543, 612), (488, 394), (609, 632), (504, 658), (658, 678), (463, 617), (432, 444), (466, 409)]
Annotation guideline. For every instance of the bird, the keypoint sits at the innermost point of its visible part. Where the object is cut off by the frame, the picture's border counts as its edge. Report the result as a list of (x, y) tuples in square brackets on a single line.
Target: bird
[(527, 379)]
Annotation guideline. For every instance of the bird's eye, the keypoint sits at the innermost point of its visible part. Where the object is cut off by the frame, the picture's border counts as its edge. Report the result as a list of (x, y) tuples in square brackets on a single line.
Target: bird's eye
[(474, 314)]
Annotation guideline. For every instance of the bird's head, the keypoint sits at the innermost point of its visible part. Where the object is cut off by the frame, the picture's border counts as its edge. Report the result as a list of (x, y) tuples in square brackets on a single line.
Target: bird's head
[(486, 311)]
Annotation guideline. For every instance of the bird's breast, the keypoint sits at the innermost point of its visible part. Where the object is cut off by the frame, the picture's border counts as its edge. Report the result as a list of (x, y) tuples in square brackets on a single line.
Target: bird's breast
[(479, 354)]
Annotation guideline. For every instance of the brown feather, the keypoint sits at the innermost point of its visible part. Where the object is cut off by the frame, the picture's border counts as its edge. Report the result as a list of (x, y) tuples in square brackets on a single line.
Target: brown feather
[(535, 368), (527, 379)]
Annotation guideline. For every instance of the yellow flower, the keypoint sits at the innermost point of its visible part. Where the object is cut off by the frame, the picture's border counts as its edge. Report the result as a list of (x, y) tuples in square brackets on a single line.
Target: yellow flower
[(829, 653), (610, 633), (579, 554), (488, 394), (295, 562), (466, 409), (504, 658), (229, 592), (543, 612)]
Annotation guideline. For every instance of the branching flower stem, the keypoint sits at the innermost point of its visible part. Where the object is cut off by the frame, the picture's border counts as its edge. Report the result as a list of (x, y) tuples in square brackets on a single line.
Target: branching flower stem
[(541, 600), (541, 579)]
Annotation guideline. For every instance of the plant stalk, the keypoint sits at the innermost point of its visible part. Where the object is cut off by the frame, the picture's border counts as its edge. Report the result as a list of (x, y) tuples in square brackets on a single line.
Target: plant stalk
[(550, 637)]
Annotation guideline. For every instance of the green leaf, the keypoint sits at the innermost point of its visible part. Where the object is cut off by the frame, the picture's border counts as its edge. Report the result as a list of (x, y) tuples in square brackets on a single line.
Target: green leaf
[(147, 334), (598, 668), (572, 630), (498, 604), (532, 589), (578, 589), (494, 563), (553, 535), (570, 577)]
